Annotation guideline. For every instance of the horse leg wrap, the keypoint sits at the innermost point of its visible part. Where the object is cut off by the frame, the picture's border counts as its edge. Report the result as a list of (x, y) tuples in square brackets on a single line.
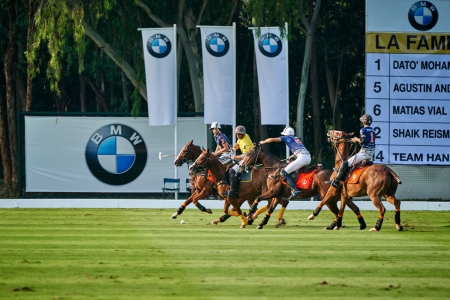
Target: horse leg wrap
[(233, 213), (224, 218), (265, 220), (362, 223), (180, 210), (317, 211), (339, 222), (201, 207), (253, 208), (261, 210), (397, 217), (379, 224), (332, 225), (281, 213)]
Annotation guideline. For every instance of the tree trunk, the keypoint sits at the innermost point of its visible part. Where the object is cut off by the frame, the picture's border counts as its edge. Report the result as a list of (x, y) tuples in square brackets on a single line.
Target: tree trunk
[(10, 56), (30, 39), (4, 145), (315, 103), (333, 90), (125, 92), (82, 88), (121, 63), (305, 68)]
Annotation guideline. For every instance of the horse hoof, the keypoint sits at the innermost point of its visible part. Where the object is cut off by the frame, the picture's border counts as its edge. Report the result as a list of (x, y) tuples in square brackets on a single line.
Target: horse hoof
[(362, 226), (174, 216), (259, 227), (336, 228), (399, 227), (215, 222), (373, 229), (208, 211), (311, 217), (242, 226), (280, 223)]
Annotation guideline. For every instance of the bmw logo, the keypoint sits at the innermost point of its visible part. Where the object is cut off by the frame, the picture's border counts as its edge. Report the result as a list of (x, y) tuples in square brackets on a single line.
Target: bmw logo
[(116, 154), (423, 15), (217, 44), (159, 45), (270, 44)]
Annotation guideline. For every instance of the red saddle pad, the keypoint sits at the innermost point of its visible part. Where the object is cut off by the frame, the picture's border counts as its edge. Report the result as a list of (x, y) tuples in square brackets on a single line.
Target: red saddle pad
[(305, 179)]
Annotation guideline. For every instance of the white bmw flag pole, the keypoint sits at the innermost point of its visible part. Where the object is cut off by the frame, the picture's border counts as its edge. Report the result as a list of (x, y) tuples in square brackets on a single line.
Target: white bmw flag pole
[(219, 74), (273, 75), (159, 46)]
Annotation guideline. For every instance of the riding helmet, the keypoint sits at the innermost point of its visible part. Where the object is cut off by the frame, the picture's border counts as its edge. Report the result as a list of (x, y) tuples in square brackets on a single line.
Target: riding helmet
[(215, 125), (366, 119), (288, 131), (240, 129)]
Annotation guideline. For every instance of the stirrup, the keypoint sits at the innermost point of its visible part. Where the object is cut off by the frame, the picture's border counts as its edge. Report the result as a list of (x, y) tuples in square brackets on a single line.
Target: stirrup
[(231, 194), (294, 194), (333, 183)]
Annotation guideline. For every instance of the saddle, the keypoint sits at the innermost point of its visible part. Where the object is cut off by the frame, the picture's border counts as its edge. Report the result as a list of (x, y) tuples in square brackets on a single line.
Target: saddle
[(303, 177), (355, 172)]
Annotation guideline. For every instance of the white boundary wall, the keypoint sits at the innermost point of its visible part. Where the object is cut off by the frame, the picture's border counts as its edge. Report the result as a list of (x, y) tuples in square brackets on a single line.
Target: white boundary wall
[(213, 204)]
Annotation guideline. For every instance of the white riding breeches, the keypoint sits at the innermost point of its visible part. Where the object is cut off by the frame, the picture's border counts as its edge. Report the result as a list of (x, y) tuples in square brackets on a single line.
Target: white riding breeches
[(301, 161), (236, 166), (363, 154)]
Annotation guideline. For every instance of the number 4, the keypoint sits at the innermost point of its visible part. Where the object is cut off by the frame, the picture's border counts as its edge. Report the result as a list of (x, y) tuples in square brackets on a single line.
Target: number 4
[(380, 156)]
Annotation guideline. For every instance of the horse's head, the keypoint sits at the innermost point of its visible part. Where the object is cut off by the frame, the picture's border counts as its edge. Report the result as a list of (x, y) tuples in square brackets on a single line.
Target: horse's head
[(202, 161), (186, 155), (337, 137), (252, 156)]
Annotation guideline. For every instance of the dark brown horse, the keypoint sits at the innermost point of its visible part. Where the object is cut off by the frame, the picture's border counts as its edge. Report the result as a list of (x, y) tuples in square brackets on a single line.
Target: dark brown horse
[(201, 186), (375, 181), (279, 190), (247, 190)]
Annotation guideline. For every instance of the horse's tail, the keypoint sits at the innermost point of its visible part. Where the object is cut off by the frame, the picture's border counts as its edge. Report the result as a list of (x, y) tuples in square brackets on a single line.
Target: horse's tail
[(396, 177)]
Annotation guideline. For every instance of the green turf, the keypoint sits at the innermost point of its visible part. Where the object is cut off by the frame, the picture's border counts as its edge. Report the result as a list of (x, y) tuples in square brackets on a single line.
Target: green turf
[(143, 254)]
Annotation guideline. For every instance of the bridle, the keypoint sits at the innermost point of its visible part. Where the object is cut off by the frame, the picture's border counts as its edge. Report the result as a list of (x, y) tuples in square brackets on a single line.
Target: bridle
[(335, 140), (185, 153)]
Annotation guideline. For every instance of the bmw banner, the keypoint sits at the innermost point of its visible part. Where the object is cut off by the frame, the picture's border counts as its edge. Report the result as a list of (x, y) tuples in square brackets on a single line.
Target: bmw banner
[(160, 73), (272, 64), (104, 154), (219, 73)]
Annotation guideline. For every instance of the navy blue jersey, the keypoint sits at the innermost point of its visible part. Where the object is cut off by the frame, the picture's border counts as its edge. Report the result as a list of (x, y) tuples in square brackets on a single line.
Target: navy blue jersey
[(221, 139), (294, 143), (367, 138)]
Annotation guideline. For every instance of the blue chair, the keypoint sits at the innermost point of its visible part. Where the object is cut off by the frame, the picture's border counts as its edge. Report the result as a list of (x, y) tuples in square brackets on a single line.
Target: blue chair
[(171, 186), (188, 188)]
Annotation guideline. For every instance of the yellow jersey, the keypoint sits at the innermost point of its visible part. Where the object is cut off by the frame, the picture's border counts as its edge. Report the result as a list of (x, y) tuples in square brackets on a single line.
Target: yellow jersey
[(245, 144)]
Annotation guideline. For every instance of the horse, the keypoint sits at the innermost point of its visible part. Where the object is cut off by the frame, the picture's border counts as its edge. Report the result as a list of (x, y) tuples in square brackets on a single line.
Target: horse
[(247, 190), (278, 189), (375, 181), (201, 186)]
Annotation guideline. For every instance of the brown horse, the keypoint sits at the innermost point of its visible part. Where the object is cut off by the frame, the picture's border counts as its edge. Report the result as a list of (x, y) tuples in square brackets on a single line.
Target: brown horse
[(247, 190), (201, 186), (376, 181), (278, 189)]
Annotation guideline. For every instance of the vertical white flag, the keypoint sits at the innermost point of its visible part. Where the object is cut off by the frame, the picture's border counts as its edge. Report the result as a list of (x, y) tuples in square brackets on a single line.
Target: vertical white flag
[(160, 73), (218, 52), (271, 62)]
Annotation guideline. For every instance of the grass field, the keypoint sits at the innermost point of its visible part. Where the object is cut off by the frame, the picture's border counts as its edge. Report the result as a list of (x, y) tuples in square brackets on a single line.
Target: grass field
[(143, 254)]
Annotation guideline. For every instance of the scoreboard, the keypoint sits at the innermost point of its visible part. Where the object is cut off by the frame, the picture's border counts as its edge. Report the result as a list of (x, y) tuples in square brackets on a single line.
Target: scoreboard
[(408, 80)]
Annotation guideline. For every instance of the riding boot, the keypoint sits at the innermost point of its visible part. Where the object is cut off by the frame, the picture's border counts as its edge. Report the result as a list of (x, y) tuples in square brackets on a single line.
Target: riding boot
[(291, 183), (341, 174), (234, 182)]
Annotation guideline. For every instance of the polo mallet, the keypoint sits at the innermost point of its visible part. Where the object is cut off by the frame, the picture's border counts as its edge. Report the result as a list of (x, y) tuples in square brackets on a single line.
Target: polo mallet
[(166, 155)]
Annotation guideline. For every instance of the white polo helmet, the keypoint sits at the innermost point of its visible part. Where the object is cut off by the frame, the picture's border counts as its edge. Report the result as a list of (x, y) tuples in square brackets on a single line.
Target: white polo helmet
[(215, 125), (288, 131)]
